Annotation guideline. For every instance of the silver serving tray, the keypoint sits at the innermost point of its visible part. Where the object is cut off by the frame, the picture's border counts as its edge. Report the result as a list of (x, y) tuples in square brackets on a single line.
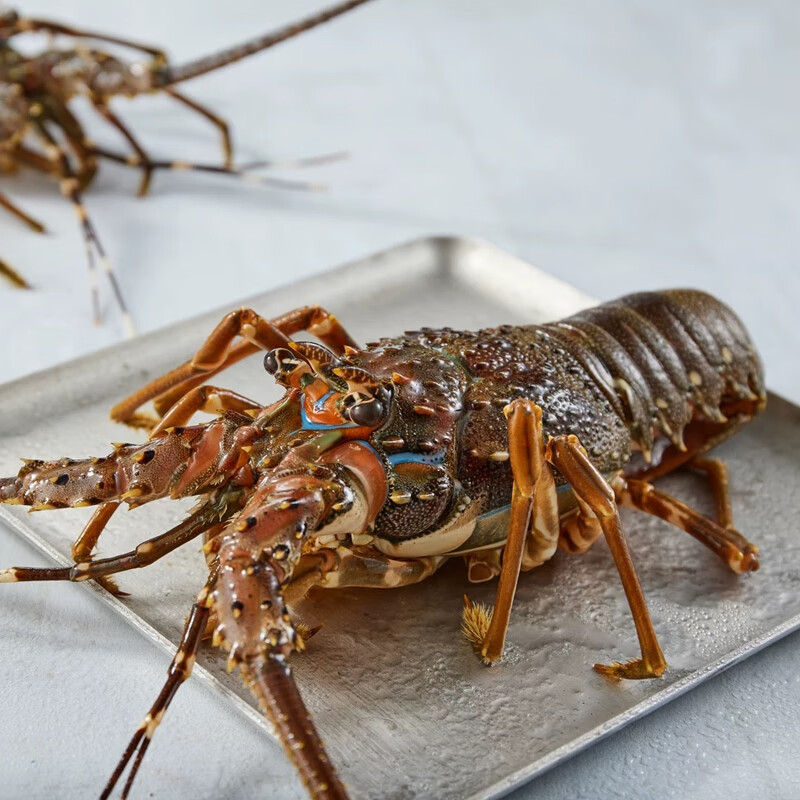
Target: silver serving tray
[(406, 709)]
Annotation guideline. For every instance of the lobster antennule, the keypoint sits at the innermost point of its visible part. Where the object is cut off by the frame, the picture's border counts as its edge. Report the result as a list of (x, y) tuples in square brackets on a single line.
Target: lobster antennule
[(271, 681)]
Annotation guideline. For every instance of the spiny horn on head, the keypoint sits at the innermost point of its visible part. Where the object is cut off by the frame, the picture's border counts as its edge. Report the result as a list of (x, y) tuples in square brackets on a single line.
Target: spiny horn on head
[(358, 380), (317, 356), (322, 361)]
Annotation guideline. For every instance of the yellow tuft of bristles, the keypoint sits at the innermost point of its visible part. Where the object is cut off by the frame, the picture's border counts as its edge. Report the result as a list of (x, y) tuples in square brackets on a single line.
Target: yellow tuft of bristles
[(475, 619), (304, 633)]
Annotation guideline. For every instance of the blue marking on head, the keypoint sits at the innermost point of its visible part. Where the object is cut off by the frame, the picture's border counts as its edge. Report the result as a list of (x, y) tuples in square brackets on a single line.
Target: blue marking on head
[(417, 458), (320, 404), (308, 425)]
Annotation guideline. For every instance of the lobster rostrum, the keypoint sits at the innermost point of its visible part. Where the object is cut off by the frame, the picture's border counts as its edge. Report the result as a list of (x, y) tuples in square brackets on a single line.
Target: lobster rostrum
[(39, 130), (380, 463)]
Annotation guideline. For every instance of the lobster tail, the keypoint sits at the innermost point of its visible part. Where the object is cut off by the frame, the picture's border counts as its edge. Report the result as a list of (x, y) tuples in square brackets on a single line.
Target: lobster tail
[(271, 681), (660, 357)]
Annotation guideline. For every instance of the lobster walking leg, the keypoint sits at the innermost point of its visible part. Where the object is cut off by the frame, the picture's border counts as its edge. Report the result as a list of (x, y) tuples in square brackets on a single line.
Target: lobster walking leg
[(727, 543), (29, 25), (143, 555), (143, 159), (534, 515), (362, 567), (21, 215), (214, 119), (8, 272), (70, 188), (717, 471), (243, 171), (221, 351), (13, 277), (207, 398), (568, 457), (179, 670)]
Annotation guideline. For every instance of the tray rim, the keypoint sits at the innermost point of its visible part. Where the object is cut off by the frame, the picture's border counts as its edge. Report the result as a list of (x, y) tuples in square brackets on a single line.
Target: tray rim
[(447, 244)]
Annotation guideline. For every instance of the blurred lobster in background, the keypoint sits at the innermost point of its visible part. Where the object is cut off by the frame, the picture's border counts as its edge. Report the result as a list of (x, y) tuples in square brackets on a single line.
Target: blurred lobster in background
[(380, 463), (39, 130)]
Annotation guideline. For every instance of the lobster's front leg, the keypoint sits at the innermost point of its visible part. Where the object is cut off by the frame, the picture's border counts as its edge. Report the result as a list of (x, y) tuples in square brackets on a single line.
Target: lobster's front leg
[(32, 223), (363, 567)]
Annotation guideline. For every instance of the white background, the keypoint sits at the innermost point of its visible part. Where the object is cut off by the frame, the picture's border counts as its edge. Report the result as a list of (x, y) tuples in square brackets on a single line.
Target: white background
[(621, 146)]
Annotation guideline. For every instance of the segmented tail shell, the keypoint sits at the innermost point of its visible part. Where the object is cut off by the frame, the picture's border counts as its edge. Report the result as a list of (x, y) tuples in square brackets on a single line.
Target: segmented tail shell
[(660, 357)]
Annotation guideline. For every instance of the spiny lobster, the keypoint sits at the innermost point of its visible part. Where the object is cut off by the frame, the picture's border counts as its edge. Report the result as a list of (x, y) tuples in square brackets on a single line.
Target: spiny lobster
[(39, 130), (380, 463)]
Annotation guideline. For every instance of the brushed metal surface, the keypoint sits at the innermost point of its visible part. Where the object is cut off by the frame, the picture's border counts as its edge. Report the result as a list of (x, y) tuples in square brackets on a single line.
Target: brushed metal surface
[(403, 704)]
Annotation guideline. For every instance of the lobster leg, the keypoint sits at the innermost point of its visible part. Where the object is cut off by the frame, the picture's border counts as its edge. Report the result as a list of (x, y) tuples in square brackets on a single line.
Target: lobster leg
[(362, 567), (32, 223), (727, 543), (220, 351), (143, 160), (243, 171), (214, 119), (534, 517), (717, 471), (211, 400), (179, 670), (569, 458), (8, 272), (70, 188), (13, 277), (145, 554), (28, 25)]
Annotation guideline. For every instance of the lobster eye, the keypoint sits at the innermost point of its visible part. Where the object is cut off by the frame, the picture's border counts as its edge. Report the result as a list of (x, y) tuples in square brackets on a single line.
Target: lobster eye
[(273, 360), (367, 413)]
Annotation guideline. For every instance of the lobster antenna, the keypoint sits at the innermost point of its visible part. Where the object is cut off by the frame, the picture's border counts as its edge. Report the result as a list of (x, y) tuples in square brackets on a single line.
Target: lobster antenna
[(273, 684), (167, 75)]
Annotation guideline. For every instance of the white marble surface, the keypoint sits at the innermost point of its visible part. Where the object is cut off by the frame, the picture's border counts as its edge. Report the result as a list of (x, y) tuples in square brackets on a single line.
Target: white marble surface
[(621, 146)]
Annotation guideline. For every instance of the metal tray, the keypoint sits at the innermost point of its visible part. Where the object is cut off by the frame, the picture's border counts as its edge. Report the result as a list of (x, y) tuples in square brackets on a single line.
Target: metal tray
[(403, 704)]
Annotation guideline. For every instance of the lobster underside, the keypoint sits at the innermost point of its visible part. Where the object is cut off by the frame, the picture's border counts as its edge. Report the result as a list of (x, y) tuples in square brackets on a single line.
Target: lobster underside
[(380, 463)]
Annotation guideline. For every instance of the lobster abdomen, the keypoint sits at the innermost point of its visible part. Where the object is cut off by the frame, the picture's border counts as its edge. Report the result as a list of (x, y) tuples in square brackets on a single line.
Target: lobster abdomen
[(665, 356)]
